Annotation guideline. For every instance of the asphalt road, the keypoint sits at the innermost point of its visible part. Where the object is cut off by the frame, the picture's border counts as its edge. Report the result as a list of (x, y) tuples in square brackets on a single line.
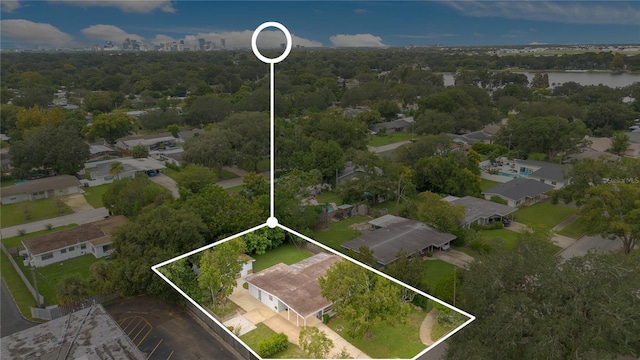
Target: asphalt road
[(81, 217), (591, 243), (166, 331), (11, 321)]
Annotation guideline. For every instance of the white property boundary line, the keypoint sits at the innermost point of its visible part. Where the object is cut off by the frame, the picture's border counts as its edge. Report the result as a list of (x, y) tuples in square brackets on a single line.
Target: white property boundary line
[(272, 221)]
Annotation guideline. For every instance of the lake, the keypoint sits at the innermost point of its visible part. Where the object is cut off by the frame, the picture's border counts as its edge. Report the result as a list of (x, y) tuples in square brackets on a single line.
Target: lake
[(582, 78)]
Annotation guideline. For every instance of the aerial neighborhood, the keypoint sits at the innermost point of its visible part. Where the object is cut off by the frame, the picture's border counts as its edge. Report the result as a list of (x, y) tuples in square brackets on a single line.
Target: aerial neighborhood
[(402, 173)]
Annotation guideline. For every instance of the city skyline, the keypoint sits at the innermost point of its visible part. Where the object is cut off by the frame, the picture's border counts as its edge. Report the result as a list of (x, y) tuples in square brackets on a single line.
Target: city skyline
[(206, 25)]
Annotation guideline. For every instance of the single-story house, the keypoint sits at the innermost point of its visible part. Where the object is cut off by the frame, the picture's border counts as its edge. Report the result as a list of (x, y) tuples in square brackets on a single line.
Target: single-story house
[(99, 150), (480, 211), (391, 234), (173, 156), (151, 142), (399, 125), (99, 172), (40, 189), (546, 172), (92, 238), (519, 192), (188, 134), (350, 172), (294, 288)]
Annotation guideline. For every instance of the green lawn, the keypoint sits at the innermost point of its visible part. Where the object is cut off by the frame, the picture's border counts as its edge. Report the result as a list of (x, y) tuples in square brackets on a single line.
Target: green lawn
[(16, 241), (390, 138), (9, 182), (172, 173), (235, 188), (508, 238), (49, 276), (487, 184), (574, 230), (338, 232), (93, 195), (326, 197), (436, 271), (18, 289), (261, 332), (544, 213), (13, 214), (438, 331), (400, 341), (285, 253)]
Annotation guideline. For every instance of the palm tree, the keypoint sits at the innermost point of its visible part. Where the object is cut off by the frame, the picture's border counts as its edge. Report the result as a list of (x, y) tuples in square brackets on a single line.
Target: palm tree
[(116, 168), (71, 289)]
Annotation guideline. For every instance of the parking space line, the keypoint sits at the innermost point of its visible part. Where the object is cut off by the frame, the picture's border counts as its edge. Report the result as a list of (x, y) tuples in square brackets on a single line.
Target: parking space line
[(169, 357), (134, 328), (124, 328), (141, 329), (154, 349), (144, 337)]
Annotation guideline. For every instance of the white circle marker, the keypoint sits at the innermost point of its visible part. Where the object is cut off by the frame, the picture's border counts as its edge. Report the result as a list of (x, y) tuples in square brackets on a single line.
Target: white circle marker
[(254, 38), (272, 222)]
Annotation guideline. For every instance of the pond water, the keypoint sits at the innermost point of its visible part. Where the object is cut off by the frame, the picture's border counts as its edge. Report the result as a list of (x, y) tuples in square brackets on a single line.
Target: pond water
[(583, 78)]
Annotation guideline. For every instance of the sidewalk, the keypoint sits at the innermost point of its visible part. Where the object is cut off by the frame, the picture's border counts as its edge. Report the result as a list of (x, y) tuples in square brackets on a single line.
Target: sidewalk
[(425, 327)]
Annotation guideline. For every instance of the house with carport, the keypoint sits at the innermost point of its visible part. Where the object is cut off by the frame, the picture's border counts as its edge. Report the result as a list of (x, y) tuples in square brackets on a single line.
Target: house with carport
[(546, 172), (519, 192), (44, 188), (294, 288), (480, 211), (92, 238), (389, 235)]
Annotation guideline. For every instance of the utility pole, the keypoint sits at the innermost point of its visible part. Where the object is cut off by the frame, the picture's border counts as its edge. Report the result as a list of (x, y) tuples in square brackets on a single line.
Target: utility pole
[(454, 285)]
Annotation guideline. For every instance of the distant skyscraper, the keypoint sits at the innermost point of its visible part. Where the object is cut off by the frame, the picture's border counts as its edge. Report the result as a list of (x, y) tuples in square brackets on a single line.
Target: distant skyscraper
[(223, 42), (201, 43)]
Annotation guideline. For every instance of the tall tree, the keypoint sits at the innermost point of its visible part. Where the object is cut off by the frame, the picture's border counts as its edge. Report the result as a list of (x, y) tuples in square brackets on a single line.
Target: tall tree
[(110, 127), (218, 269), (182, 274), (152, 237), (194, 178), (530, 304), (139, 151), (213, 149), (71, 289), (129, 196), (613, 211), (443, 216), (362, 298)]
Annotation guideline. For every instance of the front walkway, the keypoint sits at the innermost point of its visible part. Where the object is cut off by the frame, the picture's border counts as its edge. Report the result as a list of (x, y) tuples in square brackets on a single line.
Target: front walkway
[(257, 312), (425, 327)]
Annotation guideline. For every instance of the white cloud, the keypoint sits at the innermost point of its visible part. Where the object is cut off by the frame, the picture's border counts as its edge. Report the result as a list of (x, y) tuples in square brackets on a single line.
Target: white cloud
[(108, 32), (34, 33), (427, 36), (582, 12), (134, 6), (242, 39), (161, 39), (356, 40), (10, 6)]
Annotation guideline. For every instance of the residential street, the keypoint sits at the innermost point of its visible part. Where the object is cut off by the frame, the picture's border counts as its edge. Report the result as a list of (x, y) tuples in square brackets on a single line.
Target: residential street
[(82, 217), (383, 148), (586, 243), (11, 321)]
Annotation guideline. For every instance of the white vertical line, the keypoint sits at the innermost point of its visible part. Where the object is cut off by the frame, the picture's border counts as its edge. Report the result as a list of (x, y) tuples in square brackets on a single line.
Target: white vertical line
[(273, 143)]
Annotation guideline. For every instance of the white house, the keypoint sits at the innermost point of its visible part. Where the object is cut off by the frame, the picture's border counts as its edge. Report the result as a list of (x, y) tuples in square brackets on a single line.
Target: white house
[(99, 172), (519, 192), (294, 288), (92, 238), (40, 189), (549, 173)]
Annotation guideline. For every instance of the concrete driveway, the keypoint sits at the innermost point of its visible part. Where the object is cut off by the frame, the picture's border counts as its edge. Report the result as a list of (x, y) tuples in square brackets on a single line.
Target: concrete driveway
[(591, 243), (167, 182)]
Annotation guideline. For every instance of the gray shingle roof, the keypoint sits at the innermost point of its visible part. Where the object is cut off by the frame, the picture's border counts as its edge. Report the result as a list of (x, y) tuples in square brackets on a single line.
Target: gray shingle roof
[(400, 123), (44, 184), (520, 188), (548, 170), (402, 235), (480, 208)]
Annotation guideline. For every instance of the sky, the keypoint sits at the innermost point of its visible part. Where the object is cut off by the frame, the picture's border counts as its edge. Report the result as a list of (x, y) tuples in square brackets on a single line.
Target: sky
[(81, 23)]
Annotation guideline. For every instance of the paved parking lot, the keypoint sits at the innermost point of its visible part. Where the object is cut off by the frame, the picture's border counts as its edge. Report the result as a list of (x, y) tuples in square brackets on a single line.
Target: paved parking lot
[(165, 331)]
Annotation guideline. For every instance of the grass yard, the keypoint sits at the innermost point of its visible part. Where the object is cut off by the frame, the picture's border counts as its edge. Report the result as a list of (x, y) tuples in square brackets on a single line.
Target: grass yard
[(93, 195), (390, 138), (326, 197), (261, 332), (401, 341), (235, 189), (436, 271), (49, 276), (9, 182), (487, 184), (16, 241), (18, 289), (438, 331), (338, 232), (544, 213), (574, 230), (13, 214), (508, 238), (285, 253), (172, 173)]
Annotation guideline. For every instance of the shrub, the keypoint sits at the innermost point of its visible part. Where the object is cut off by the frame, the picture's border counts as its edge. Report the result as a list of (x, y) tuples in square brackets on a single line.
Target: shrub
[(245, 285), (273, 345), (48, 226), (422, 302), (499, 200), (325, 318)]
